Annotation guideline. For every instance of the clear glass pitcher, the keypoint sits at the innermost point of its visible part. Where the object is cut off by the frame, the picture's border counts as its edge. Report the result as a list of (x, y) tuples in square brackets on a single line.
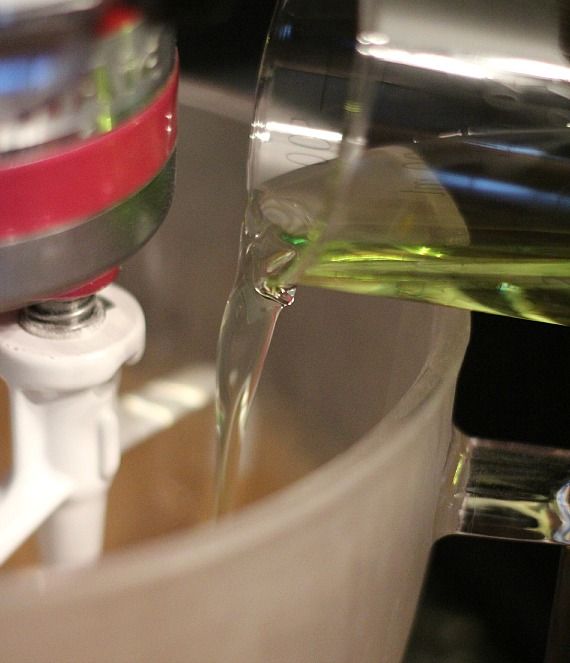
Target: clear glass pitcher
[(418, 150)]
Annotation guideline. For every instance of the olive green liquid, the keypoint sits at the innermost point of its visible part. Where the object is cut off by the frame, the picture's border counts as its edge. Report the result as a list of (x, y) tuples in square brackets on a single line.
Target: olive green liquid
[(479, 278), (481, 224)]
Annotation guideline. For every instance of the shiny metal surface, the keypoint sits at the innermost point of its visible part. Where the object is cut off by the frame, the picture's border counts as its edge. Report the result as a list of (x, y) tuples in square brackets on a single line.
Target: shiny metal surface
[(507, 490), (89, 90), (63, 81), (45, 264), (58, 318), (43, 50)]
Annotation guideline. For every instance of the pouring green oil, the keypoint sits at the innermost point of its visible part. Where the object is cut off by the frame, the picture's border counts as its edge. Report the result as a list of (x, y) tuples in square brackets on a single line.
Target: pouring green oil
[(480, 223)]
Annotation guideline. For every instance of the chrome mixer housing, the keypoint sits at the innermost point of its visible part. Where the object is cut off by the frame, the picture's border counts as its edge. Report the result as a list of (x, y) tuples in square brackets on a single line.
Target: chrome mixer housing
[(87, 137)]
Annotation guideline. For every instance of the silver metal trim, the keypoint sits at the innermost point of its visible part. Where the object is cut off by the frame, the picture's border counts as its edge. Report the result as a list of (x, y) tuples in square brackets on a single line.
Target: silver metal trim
[(92, 85), (63, 318), (51, 263)]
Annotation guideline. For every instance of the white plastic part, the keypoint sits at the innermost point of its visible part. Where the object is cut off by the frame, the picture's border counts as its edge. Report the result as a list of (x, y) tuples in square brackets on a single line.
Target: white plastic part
[(65, 432)]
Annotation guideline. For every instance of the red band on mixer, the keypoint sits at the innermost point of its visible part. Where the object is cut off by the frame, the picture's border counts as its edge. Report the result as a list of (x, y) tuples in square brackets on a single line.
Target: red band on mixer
[(89, 288), (66, 186), (118, 16)]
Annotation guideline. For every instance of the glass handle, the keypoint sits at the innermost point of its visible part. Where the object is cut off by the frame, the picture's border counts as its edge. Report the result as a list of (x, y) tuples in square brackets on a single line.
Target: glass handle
[(506, 490)]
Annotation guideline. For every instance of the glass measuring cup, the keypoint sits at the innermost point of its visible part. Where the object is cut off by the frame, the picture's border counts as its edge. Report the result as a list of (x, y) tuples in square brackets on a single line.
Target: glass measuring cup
[(418, 150), (438, 173)]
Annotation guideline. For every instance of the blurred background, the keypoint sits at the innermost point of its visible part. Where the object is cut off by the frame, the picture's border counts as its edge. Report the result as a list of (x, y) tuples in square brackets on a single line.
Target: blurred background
[(484, 601)]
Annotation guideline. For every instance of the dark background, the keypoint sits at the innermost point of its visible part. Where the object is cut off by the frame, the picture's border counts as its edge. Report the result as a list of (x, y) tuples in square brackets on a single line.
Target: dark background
[(485, 601)]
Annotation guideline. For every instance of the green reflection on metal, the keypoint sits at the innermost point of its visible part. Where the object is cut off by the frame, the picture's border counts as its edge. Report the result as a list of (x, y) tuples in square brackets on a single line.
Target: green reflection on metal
[(459, 469)]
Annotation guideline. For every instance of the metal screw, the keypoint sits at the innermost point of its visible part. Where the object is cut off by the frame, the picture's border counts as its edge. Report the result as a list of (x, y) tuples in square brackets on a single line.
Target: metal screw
[(58, 318)]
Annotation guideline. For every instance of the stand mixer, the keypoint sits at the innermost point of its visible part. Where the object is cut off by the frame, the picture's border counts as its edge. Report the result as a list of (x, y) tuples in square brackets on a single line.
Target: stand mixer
[(87, 137)]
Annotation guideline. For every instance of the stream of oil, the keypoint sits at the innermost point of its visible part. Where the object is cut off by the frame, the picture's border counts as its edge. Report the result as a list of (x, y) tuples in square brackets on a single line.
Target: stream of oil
[(247, 327)]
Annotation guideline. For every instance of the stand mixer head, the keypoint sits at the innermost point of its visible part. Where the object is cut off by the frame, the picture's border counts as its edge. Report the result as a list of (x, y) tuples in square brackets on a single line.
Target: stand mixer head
[(87, 136)]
